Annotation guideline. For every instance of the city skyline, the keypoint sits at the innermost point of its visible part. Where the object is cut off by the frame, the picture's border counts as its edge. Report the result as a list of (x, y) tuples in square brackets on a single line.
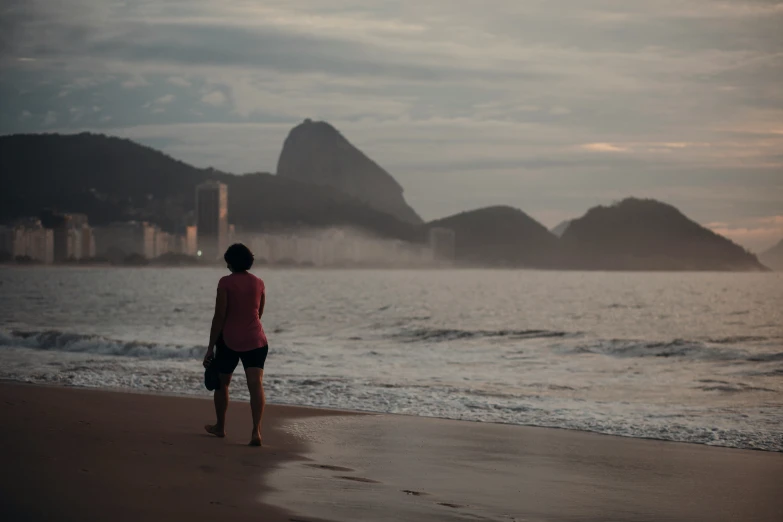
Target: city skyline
[(551, 107), (69, 238)]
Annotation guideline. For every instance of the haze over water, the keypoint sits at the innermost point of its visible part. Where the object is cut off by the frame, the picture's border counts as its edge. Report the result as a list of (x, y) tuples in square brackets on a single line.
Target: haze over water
[(692, 357)]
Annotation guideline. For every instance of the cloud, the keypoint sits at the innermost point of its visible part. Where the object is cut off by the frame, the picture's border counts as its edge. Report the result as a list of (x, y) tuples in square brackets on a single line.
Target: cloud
[(49, 119), (158, 105), (551, 106), (775, 221), (603, 147), (720, 152), (178, 81), (758, 234), (76, 113), (135, 82), (214, 98)]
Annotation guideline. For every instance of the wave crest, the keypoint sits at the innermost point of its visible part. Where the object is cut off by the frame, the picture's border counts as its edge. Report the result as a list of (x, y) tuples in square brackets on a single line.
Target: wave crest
[(453, 334), (73, 342), (678, 348)]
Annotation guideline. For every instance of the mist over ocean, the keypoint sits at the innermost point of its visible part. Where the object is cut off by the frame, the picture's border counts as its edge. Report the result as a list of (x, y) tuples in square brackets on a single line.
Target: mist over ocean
[(695, 357)]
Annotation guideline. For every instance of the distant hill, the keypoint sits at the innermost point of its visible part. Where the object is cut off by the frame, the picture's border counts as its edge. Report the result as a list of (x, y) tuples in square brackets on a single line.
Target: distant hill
[(116, 179), (561, 228), (500, 236), (315, 152), (113, 179), (773, 257), (638, 234)]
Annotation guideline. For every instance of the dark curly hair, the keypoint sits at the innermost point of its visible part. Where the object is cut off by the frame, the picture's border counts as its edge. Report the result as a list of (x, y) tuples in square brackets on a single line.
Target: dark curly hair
[(239, 257)]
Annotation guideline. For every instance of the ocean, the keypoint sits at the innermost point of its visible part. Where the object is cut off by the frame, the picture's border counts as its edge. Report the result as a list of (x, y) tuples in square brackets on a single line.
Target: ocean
[(692, 357)]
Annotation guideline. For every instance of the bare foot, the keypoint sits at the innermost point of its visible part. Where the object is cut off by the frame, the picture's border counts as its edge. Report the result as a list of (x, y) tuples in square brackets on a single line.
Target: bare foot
[(255, 440), (212, 429)]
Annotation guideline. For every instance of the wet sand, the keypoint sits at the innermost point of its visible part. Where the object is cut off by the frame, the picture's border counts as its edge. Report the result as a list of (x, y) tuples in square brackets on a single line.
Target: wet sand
[(74, 454)]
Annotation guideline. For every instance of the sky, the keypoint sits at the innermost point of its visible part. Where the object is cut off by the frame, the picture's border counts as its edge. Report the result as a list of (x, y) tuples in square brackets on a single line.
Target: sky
[(551, 106)]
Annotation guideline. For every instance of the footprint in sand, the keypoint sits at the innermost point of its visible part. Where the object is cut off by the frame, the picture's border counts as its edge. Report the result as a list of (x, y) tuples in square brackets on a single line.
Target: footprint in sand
[(357, 479), (330, 468), (415, 493), (448, 504)]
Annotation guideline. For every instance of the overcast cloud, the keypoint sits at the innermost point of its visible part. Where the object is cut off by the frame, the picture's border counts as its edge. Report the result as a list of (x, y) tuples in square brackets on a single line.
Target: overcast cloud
[(551, 106)]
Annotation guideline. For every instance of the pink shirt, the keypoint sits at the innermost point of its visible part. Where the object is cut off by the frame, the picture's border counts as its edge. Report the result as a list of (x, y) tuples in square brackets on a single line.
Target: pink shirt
[(242, 330)]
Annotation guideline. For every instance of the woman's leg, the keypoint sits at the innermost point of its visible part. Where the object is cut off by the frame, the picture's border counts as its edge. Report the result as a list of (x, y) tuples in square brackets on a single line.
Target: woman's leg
[(226, 361), (255, 385), (221, 406)]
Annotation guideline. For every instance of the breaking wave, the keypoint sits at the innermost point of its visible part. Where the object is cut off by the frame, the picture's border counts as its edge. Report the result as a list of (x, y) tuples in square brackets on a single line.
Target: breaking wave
[(738, 339), (73, 342), (678, 348), (451, 334)]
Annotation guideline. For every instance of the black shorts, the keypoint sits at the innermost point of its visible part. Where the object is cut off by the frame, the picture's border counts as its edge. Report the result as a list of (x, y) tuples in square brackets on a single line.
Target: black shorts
[(227, 359)]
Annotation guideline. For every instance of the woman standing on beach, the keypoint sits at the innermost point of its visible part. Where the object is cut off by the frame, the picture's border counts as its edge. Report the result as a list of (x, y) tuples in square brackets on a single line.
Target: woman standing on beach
[(237, 334)]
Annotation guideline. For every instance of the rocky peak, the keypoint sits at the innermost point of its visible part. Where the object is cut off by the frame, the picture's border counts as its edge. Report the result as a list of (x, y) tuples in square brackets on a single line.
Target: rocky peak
[(315, 152)]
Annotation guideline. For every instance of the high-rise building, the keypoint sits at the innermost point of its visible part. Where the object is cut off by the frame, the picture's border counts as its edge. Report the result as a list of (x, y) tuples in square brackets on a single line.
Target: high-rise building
[(120, 240), (68, 231), (191, 241), (32, 241), (162, 243), (212, 219), (6, 243), (87, 243), (442, 244), (61, 238)]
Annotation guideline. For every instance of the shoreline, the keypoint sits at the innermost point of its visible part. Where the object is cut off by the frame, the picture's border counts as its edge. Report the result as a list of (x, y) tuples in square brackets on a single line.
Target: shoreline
[(340, 411), (84, 454), (455, 267)]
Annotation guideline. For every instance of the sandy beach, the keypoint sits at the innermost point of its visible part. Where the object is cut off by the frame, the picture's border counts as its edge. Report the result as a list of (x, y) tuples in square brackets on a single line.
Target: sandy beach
[(77, 454)]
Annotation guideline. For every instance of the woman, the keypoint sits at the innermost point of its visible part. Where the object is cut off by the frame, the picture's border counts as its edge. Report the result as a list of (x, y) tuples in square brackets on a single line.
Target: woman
[(237, 334)]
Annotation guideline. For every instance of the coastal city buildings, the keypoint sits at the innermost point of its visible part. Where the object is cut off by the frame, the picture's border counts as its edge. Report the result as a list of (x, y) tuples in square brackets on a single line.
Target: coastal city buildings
[(73, 237), (442, 244), (212, 219), (125, 241), (60, 238), (118, 241), (30, 241), (333, 247), (6, 243)]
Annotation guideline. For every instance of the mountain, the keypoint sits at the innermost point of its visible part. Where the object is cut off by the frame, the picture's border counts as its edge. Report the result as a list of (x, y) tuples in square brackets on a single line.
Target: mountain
[(113, 179), (643, 234), (773, 257), (562, 227), (499, 236), (315, 152)]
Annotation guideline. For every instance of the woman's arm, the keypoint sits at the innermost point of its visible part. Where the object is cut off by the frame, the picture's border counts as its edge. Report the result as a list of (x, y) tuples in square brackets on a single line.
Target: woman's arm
[(218, 320), (261, 305)]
